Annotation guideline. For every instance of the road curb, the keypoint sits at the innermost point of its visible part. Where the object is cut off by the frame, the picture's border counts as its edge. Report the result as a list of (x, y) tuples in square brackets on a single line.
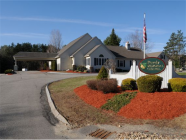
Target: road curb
[(53, 108)]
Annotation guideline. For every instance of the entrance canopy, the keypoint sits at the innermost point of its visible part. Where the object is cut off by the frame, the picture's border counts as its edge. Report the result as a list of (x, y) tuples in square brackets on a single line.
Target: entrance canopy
[(34, 56)]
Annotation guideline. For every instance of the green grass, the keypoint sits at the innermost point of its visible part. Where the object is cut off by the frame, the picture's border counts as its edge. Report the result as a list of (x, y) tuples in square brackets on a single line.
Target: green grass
[(181, 73), (118, 101), (70, 84)]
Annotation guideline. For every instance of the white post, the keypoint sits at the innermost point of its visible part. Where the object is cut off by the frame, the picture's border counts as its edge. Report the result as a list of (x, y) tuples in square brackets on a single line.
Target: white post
[(134, 69)]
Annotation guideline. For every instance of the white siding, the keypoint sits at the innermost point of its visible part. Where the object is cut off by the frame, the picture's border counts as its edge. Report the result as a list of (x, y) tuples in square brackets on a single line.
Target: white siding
[(80, 54), (100, 50), (58, 63), (66, 61)]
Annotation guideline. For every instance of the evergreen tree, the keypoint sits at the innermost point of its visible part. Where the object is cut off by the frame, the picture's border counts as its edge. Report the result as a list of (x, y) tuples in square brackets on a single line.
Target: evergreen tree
[(103, 74), (113, 39), (175, 48)]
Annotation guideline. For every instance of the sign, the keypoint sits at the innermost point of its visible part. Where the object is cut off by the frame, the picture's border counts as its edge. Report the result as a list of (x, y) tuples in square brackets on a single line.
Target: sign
[(152, 65)]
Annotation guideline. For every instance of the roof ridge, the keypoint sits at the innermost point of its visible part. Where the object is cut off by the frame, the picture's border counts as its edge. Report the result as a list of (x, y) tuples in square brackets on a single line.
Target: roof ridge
[(88, 53), (70, 44), (82, 46)]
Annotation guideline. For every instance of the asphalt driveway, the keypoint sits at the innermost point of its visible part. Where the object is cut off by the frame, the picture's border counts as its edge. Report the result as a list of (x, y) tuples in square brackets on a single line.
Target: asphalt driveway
[(21, 109)]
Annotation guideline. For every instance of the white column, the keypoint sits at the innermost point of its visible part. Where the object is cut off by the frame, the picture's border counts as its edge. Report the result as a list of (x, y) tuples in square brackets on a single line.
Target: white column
[(134, 69), (15, 66)]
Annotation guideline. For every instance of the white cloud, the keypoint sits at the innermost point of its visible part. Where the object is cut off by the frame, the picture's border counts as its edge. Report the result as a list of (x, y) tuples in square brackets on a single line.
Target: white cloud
[(149, 31), (60, 20), (32, 35)]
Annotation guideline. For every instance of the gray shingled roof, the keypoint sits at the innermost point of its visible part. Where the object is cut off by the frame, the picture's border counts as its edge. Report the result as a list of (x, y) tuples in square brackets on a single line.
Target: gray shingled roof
[(88, 54), (122, 52), (155, 54), (70, 44), (34, 55), (82, 46)]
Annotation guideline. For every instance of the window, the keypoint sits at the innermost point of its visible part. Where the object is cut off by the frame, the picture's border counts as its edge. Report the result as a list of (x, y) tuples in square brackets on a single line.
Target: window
[(99, 61), (118, 63), (101, 55), (121, 63), (94, 61), (164, 56)]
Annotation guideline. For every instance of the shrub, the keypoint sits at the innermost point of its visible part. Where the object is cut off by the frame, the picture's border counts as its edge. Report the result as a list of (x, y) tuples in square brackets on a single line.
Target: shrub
[(128, 84), (81, 68), (8, 71), (74, 68), (102, 73), (118, 101), (92, 84), (149, 83), (107, 86), (54, 65), (177, 84), (45, 66)]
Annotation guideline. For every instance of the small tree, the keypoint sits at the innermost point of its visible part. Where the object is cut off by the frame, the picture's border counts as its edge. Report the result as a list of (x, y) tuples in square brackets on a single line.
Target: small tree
[(110, 64), (102, 73)]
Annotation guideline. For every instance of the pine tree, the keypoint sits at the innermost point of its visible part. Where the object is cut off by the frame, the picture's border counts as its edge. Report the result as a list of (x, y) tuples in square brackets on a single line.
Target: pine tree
[(175, 48), (113, 39), (103, 74)]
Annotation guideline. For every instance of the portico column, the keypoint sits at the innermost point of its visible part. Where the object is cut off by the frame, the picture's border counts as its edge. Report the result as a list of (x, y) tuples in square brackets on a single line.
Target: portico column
[(15, 66)]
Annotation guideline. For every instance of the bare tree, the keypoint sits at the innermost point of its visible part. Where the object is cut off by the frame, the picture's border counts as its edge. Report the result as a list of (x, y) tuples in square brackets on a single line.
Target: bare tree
[(136, 41), (110, 64), (55, 43)]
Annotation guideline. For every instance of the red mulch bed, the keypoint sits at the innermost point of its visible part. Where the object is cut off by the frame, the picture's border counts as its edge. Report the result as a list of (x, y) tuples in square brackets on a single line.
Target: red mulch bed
[(158, 105), (93, 97)]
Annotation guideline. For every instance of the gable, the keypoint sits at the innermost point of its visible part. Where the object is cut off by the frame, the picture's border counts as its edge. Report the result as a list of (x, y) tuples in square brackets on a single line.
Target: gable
[(75, 44)]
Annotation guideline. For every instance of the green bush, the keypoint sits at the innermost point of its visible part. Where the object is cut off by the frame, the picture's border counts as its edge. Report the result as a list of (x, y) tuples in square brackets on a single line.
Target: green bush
[(54, 65), (74, 68), (177, 84), (102, 73), (8, 71), (45, 66), (81, 68), (118, 101), (149, 83), (128, 84)]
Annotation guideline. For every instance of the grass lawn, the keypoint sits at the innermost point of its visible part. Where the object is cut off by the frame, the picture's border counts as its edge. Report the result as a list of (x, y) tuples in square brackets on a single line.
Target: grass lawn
[(181, 73), (78, 113)]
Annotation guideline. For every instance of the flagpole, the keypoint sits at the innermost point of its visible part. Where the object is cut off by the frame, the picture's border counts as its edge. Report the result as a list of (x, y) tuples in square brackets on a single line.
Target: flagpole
[(144, 41)]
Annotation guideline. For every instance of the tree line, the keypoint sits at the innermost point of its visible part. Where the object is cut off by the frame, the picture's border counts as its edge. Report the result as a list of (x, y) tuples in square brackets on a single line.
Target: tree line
[(8, 51)]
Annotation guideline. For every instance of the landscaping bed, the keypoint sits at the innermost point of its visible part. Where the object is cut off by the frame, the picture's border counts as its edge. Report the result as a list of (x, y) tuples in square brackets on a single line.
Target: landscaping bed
[(84, 112)]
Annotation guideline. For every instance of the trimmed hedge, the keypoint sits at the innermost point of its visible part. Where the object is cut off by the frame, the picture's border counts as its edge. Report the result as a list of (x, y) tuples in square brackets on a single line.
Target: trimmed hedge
[(149, 83), (102, 73), (81, 68), (128, 84), (106, 86), (177, 84), (8, 71)]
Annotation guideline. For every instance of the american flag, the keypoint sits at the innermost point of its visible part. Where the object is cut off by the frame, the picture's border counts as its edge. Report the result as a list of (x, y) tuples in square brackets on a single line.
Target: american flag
[(144, 32)]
